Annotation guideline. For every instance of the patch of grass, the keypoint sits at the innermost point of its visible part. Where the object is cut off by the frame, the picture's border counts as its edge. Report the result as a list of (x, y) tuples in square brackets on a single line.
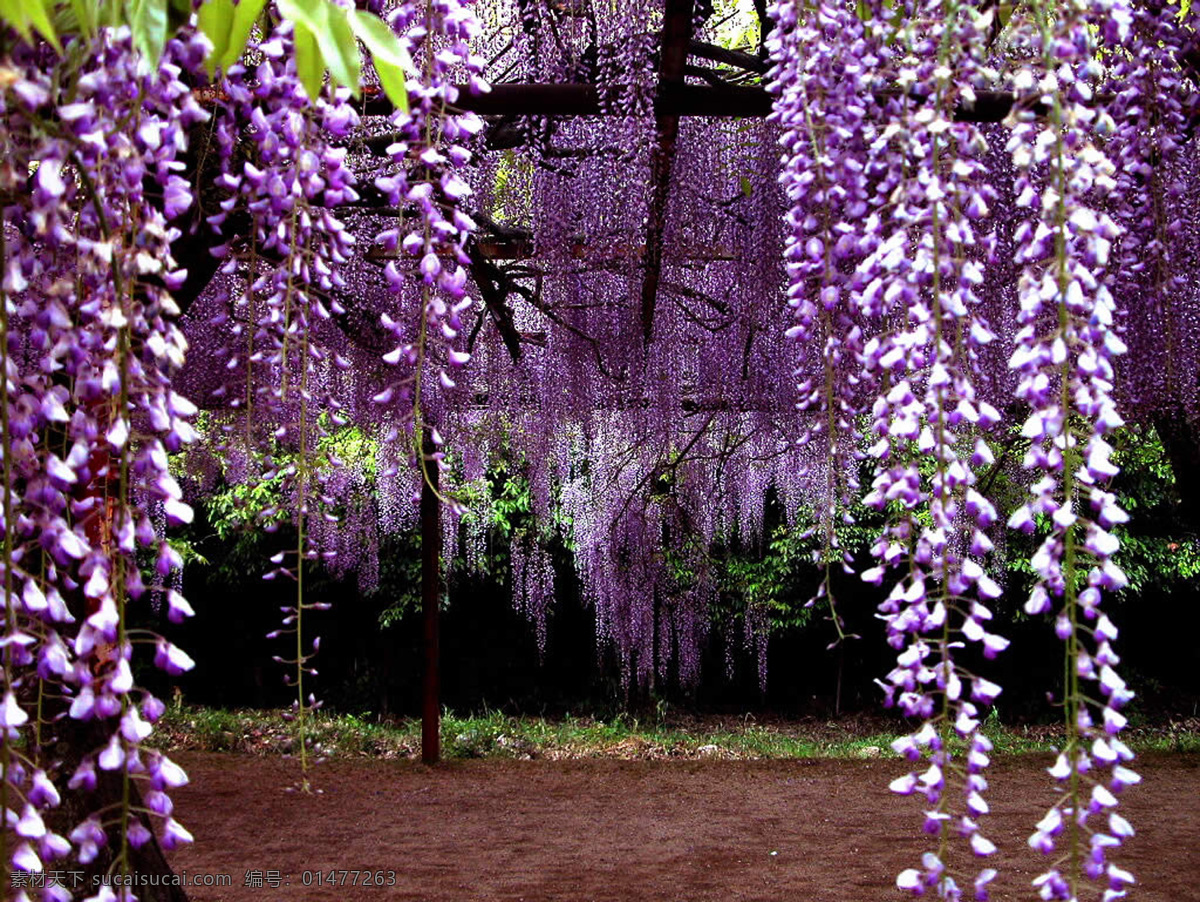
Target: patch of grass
[(266, 732), (493, 734), (1176, 736)]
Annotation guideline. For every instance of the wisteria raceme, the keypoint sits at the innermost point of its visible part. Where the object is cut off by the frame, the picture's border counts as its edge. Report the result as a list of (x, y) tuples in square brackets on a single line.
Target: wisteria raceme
[(914, 283), (1064, 355), (533, 585), (1152, 105), (289, 264), (428, 155), (822, 77), (925, 273), (90, 348)]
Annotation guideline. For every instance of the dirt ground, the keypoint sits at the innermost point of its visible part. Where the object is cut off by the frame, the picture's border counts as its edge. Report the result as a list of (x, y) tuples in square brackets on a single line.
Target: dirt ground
[(809, 831)]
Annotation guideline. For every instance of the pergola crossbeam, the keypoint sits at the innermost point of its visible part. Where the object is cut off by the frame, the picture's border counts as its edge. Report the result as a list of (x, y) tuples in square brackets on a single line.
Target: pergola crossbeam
[(672, 99)]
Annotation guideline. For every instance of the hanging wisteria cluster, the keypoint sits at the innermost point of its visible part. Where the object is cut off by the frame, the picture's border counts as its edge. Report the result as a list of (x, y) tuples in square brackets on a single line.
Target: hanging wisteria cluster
[(430, 194), (916, 272), (666, 322), (1065, 346), (883, 212), (826, 135), (89, 349), (289, 259)]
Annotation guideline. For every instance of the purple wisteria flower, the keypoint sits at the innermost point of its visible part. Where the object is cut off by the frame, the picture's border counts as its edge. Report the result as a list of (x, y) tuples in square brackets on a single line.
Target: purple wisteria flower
[(427, 278), (89, 349), (290, 269), (1065, 346), (826, 135), (883, 244)]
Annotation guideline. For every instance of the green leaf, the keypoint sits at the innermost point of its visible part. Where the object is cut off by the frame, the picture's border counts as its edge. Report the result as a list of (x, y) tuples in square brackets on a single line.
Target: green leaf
[(228, 27), (66, 18), (340, 48), (394, 83), (309, 66), (40, 19), (148, 21), (392, 62), (244, 16), (12, 12), (379, 39), (21, 14), (111, 13), (329, 27), (215, 18)]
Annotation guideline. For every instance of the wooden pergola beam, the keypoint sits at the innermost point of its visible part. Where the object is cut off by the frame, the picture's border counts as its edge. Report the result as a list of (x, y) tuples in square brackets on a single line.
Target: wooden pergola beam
[(733, 101), (531, 99), (498, 247)]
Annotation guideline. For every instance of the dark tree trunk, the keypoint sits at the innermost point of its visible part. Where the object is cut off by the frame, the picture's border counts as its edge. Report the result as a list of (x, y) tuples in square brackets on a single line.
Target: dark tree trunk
[(75, 740), (431, 543)]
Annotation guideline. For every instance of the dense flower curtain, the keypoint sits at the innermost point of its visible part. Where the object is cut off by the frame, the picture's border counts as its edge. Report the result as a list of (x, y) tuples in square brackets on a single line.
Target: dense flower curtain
[(857, 298)]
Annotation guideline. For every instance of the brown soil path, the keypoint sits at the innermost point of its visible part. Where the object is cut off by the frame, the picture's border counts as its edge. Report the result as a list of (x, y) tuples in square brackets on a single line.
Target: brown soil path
[(610, 831)]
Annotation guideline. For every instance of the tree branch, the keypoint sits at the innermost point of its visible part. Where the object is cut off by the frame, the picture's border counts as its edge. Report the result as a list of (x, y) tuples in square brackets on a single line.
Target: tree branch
[(494, 287), (736, 58)]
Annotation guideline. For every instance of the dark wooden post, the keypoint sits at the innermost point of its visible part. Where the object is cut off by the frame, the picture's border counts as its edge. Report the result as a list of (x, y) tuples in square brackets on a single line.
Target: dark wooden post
[(672, 61), (431, 542)]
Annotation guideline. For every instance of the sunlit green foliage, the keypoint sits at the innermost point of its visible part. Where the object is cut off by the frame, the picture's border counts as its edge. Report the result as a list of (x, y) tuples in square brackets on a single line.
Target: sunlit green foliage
[(327, 34)]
